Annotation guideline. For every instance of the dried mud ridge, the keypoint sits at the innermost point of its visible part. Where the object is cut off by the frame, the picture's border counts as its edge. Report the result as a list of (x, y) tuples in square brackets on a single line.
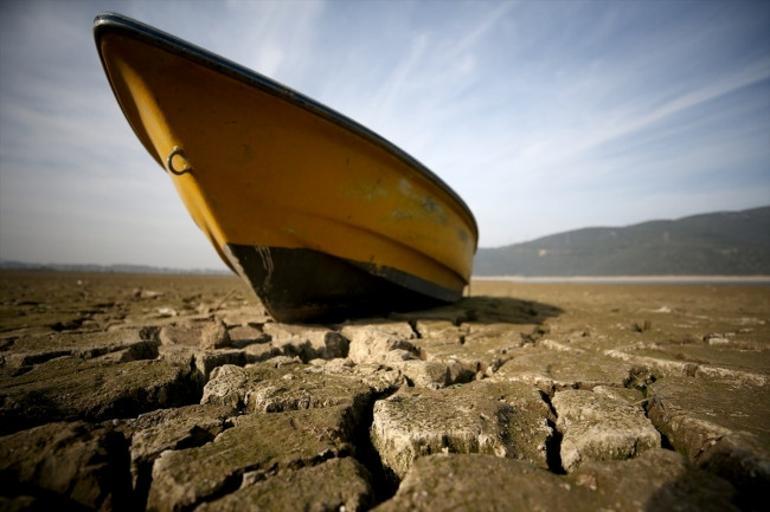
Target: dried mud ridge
[(576, 397)]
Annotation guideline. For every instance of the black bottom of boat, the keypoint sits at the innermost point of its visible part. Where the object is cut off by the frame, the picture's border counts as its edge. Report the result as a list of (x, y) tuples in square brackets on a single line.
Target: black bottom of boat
[(303, 285)]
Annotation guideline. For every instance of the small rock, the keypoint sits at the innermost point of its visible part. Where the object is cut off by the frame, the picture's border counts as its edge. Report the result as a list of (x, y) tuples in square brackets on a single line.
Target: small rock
[(166, 312), (139, 293), (716, 339)]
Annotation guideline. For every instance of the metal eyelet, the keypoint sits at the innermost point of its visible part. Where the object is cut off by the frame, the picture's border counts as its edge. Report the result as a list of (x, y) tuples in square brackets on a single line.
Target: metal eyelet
[(170, 162)]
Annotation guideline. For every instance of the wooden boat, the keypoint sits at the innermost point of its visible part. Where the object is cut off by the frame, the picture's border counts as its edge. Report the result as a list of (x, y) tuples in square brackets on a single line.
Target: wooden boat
[(322, 217)]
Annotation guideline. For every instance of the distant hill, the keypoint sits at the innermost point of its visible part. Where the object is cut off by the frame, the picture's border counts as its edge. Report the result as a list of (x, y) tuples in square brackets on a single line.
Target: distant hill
[(722, 243), (118, 268)]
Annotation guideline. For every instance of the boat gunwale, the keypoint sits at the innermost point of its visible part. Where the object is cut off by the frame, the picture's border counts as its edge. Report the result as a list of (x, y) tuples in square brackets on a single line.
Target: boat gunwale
[(106, 22)]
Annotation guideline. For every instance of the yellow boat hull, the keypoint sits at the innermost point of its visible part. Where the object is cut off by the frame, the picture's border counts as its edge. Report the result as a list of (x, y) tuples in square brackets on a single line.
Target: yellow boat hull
[(322, 217)]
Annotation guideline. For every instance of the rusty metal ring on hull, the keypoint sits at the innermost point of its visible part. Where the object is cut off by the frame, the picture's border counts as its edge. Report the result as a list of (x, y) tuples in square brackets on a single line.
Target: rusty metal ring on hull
[(170, 162)]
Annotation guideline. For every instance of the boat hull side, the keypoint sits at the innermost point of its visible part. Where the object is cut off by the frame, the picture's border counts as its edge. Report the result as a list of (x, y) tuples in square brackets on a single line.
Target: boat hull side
[(301, 285)]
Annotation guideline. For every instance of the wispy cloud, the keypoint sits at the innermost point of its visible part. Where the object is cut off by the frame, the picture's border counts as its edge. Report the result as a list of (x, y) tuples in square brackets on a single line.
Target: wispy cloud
[(543, 115)]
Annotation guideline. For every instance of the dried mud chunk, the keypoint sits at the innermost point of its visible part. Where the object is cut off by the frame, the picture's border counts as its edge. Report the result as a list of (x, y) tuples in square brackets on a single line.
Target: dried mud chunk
[(307, 342), (169, 429), (721, 428), (225, 387), (629, 395), (258, 352), (337, 484), (738, 359), (31, 349), (502, 419), (552, 369), (655, 480), (264, 388), (467, 353), (442, 330), (70, 387), (472, 357), (85, 464), (249, 315), (245, 335), (259, 444), (207, 361), (596, 427), (380, 378), (374, 342), (434, 374), (744, 367), (22, 503), (206, 335), (482, 482)]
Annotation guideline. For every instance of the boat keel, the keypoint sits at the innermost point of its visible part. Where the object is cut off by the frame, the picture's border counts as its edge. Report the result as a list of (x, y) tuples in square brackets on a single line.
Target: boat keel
[(303, 285)]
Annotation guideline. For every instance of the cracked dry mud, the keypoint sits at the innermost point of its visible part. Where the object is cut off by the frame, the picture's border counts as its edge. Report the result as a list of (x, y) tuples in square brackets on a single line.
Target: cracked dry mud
[(180, 393)]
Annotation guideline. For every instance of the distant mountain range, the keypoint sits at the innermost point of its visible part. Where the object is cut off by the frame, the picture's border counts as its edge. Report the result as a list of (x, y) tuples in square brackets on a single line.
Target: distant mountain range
[(721, 243), (119, 268)]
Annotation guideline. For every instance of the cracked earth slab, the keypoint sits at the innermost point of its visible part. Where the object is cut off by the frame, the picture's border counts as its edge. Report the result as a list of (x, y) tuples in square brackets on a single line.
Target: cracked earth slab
[(30, 350), (70, 388), (80, 463), (266, 388), (124, 360), (657, 480), (722, 428), (597, 427), (337, 484), (739, 365), (256, 447), (154, 432), (502, 419), (550, 369)]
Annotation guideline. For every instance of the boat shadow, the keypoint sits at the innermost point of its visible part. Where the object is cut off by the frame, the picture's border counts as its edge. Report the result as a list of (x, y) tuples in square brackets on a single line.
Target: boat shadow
[(486, 309)]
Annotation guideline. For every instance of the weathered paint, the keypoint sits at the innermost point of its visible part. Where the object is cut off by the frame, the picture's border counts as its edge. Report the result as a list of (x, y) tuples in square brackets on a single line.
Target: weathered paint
[(268, 172)]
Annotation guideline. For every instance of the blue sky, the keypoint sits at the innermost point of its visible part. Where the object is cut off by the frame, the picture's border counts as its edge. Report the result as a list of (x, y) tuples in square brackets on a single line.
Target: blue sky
[(544, 116)]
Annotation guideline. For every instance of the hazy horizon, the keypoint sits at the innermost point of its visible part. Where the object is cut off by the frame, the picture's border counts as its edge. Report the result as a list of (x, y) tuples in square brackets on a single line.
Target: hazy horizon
[(544, 117), (222, 267)]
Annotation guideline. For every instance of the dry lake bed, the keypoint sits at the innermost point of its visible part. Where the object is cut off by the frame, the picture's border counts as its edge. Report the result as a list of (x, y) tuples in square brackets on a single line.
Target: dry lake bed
[(163, 392)]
